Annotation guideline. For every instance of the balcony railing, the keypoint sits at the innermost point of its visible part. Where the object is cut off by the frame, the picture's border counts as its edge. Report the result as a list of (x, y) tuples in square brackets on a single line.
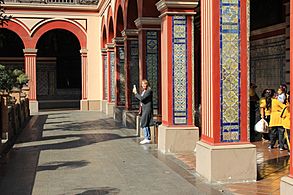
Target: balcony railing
[(83, 2)]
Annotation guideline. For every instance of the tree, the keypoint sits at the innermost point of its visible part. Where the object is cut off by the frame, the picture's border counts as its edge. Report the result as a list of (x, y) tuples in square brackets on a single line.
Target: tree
[(9, 79), (3, 17)]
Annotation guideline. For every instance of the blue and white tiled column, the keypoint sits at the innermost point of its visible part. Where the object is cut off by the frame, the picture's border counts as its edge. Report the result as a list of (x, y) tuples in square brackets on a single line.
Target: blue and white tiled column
[(131, 57), (111, 79), (149, 37), (224, 141), (177, 132), (120, 72)]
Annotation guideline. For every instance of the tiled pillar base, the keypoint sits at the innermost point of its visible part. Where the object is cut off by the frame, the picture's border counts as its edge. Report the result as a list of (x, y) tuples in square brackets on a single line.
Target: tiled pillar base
[(118, 113), (129, 119), (104, 105), (84, 105), (170, 139), (33, 106), (94, 104), (286, 186), (110, 109), (226, 163)]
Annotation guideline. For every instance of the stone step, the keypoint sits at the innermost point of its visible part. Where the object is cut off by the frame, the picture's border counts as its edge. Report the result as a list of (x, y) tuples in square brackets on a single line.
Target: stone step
[(53, 104)]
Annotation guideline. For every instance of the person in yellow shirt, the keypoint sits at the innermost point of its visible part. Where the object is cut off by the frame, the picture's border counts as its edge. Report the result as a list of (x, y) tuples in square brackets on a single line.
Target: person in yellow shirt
[(277, 129), (265, 108)]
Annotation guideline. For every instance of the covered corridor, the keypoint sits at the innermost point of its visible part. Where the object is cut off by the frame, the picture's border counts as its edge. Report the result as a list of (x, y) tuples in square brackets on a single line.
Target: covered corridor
[(73, 152)]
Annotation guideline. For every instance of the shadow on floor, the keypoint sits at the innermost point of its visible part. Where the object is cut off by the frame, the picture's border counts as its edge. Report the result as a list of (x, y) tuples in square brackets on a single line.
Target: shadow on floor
[(62, 165), (101, 191), (20, 165)]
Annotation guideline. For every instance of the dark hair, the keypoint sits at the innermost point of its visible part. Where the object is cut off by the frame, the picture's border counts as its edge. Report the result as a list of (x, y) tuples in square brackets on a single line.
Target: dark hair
[(283, 88), (268, 94)]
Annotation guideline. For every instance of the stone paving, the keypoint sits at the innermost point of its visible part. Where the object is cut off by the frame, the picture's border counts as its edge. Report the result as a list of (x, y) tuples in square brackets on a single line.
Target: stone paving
[(74, 152), (272, 165)]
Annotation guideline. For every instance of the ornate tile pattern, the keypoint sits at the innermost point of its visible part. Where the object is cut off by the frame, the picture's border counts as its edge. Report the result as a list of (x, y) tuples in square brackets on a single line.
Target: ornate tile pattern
[(42, 83), (121, 81), (112, 75), (230, 70), (152, 63), (179, 50), (134, 71), (270, 52), (106, 77)]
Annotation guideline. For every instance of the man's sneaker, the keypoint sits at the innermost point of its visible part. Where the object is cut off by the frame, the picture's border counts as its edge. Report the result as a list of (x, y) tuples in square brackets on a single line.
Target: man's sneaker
[(270, 147), (145, 141), (281, 149)]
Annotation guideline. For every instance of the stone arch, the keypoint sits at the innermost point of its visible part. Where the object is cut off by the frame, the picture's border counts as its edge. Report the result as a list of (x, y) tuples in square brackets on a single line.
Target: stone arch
[(110, 30), (110, 24), (60, 24), (104, 33), (119, 22), (21, 30), (131, 14)]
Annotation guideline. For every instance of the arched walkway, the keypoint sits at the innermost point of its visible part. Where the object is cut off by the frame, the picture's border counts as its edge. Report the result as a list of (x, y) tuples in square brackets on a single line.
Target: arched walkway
[(58, 70)]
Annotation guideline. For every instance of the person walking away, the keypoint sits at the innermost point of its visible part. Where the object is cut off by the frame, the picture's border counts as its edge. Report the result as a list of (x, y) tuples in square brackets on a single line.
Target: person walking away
[(146, 102), (265, 104), (276, 124)]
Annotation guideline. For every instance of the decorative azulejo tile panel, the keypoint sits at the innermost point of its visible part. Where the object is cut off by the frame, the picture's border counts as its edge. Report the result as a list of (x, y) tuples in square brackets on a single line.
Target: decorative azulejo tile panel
[(152, 56), (230, 70), (121, 81), (180, 81), (112, 75), (106, 77), (134, 71)]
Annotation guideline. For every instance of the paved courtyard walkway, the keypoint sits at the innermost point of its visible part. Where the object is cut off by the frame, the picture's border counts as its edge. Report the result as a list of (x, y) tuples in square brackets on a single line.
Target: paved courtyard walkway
[(74, 152)]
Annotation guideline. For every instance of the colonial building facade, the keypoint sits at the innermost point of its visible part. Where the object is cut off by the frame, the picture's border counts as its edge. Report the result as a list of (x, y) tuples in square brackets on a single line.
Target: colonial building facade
[(197, 55)]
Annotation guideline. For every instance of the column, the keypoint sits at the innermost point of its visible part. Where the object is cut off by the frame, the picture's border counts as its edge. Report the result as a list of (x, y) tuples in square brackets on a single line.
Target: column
[(84, 105), (111, 79), (131, 70), (131, 66), (286, 187), (119, 78), (224, 153), (149, 31), (30, 57), (177, 132), (105, 79), (119, 73)]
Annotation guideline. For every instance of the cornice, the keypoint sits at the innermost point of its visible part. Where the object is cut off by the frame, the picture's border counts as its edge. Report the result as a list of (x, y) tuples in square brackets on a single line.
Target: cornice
[(141, 21), (104, 50), (83, 51), (30, 51), (129, 32), (183, 4), (50, 7), (118, 40), (110, 46), (268, 29)]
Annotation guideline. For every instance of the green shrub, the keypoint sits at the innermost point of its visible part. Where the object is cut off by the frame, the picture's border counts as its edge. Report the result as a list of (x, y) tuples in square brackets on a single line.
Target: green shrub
[(9, 79)]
